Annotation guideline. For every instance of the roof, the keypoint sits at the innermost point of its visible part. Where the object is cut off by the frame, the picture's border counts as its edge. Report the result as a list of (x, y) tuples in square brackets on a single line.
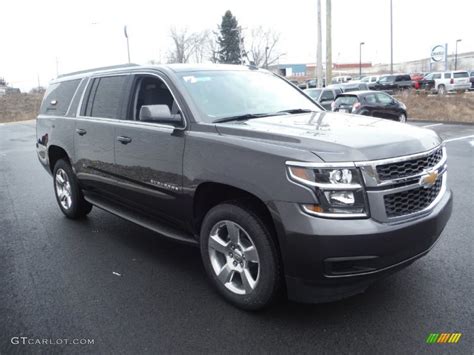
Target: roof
[(359, 92), (177, 68)]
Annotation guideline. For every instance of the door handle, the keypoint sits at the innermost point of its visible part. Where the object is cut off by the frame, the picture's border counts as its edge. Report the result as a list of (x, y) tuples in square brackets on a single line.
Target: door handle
[(124, 140), (81, 131)]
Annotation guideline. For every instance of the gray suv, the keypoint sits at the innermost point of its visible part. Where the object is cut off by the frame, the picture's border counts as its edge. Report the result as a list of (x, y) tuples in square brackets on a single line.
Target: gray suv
[(281, 196)]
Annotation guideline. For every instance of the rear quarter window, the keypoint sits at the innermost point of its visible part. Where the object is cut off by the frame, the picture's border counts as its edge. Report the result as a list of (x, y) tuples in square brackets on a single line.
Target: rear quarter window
[(461, 75), (57, 98)]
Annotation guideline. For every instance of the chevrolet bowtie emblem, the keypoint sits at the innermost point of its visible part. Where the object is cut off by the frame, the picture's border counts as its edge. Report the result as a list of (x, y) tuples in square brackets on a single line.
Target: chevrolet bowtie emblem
[(428, 180)]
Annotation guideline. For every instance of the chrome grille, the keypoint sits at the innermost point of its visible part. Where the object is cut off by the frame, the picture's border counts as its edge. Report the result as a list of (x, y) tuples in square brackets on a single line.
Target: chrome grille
[(411, 201), (410, 167)]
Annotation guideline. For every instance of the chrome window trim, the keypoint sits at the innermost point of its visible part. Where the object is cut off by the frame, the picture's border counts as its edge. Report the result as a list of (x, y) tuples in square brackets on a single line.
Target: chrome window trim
[(78, 111), (137, 123), (73, 97), (127, 123)]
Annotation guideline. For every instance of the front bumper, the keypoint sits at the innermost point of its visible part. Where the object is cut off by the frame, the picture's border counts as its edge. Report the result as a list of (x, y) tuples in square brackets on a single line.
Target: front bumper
[(330, 259)]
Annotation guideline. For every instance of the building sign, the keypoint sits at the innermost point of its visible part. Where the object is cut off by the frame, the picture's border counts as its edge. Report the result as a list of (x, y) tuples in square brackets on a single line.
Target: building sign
[(439, 53)]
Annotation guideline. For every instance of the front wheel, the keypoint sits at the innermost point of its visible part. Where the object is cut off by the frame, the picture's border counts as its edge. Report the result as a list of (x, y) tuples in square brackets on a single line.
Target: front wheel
[(402, 118), (240, 256), (68, 193)]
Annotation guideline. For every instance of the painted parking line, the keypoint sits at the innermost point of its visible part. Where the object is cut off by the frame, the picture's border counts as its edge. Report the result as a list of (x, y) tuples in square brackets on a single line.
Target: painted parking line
[(458, 139), (432, 125)]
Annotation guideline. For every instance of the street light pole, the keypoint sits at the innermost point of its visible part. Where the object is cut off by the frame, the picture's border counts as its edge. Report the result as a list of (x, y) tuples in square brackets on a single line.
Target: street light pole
[(391, 37), (128, 45), (360, 58), (456, 55)]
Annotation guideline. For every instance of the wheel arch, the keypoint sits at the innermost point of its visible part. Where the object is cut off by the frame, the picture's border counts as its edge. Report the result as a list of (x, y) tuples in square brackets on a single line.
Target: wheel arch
[(210, 194), (55, 153)]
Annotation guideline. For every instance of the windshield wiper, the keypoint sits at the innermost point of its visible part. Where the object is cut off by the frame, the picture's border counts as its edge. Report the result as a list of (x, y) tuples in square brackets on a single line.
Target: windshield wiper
[(247, 116), (296, 110)]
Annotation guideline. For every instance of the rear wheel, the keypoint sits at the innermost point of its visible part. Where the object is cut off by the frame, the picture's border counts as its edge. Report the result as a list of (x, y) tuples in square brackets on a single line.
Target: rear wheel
[(68, 193), (240, 256), (442, 89)]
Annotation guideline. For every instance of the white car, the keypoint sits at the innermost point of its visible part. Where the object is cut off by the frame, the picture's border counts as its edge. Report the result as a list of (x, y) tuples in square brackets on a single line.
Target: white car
[(370, 80), (449, 81)]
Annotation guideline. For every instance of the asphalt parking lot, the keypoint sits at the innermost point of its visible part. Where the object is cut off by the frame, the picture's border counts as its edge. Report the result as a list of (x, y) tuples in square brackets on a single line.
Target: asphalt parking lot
[(57, 280)]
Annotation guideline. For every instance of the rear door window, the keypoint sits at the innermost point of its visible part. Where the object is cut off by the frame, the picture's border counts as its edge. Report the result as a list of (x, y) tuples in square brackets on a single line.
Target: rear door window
[(383, 98), (108, 100), (58, 98), (447, 75), (371, 99)]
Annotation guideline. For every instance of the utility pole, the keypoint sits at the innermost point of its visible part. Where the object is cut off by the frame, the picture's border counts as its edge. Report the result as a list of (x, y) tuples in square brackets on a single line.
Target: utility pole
[(456, 55), (328, 43), (360, 58), (57, 67), (391, 37), (319, 54), (128, 45)]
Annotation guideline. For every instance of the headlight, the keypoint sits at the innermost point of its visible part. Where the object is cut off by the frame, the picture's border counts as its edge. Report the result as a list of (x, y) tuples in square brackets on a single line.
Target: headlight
[(338, 190)]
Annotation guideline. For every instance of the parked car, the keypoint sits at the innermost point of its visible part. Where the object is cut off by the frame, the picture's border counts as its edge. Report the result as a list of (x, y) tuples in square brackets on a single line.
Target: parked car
[(325, 97), (279, 195), (352, 86), (371, 103), (370, 80), (310, 83), (417, 78), (392, 83), (341, 79), (450, 81)]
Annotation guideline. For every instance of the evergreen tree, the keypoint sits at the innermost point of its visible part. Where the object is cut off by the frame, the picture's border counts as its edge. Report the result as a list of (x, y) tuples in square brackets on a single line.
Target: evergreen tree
[(228, 40)]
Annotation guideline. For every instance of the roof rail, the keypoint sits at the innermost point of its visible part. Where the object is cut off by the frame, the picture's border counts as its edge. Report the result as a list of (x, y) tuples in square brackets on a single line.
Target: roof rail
[(100, 68)]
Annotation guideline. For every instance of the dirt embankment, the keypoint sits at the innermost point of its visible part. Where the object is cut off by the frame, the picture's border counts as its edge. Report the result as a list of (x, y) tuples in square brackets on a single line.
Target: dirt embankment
[(447, 108), (19, 107)]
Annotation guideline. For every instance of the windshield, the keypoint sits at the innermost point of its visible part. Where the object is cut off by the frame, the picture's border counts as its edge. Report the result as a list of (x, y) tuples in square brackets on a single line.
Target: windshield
[(386, 79), (314, 93), (221, 94)]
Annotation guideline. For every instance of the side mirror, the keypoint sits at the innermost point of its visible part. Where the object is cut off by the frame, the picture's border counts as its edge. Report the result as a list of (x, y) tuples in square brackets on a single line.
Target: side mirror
[(159, 114)]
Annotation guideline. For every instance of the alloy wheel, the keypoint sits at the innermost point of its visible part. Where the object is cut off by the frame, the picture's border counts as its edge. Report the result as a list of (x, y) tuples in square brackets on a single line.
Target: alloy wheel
[(234, 257), (63, 189)]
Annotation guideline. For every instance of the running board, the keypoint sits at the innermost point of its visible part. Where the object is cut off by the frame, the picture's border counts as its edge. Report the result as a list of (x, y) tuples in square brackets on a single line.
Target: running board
[(141, 220)]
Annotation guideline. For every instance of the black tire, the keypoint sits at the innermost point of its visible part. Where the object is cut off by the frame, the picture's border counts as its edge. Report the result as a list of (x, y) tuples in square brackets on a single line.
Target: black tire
[(402, 118), (267, 284), (78, 206), (441, 90)]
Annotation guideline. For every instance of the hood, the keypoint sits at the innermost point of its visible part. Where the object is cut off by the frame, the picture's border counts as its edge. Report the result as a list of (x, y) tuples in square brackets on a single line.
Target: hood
[(336, 137)]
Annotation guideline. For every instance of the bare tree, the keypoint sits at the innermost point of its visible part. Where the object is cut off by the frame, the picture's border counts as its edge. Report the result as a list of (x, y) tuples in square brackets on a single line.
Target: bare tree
[(189, 46), (264, 47)]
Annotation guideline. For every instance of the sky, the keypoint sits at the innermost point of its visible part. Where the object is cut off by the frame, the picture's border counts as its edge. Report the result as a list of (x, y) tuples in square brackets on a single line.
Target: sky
[(40, 38)]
